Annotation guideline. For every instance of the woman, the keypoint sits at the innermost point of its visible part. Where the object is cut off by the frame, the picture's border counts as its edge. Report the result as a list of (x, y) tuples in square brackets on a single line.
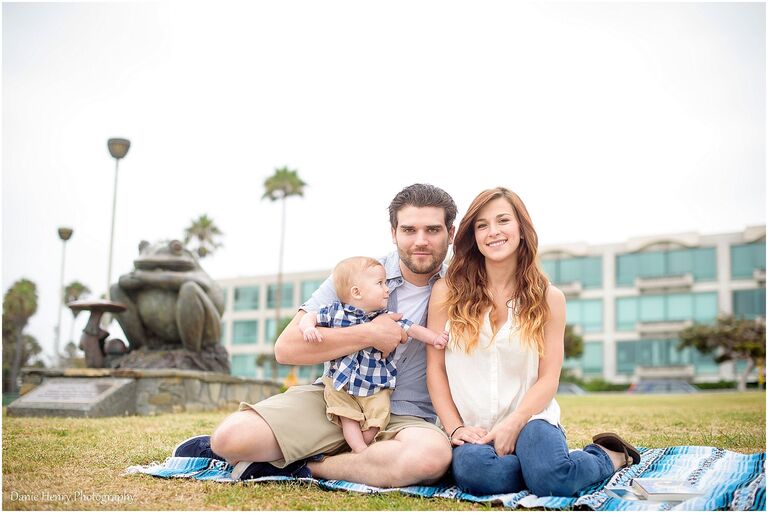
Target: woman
[(494, 385)]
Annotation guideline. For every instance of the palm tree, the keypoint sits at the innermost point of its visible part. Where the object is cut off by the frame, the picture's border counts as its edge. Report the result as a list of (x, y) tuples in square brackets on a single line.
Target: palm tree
[(280, 186), (30, 356), (73, 292), (205, 231), (19, 304)]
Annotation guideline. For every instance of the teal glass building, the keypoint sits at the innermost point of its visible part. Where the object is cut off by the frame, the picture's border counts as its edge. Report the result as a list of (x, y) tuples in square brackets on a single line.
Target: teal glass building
[(249, 325), (628, 300)]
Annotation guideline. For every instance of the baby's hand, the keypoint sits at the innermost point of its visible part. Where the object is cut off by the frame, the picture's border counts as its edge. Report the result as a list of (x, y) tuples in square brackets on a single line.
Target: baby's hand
[(441, 340), (312, 335)]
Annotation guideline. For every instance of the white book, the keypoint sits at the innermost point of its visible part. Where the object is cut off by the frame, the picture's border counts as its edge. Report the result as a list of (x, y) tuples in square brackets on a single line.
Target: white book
[(626, 493), (667, 490)]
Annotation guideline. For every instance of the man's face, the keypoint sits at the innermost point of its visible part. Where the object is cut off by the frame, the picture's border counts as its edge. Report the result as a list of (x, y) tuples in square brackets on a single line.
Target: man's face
[(422, 238)]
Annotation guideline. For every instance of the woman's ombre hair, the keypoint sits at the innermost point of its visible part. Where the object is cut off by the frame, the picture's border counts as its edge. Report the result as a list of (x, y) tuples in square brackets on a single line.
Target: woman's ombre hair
[(468, 296)]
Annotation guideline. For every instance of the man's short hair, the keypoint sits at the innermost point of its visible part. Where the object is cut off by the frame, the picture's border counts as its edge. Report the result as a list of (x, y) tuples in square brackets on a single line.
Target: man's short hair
[(423, 195), (346, 271)]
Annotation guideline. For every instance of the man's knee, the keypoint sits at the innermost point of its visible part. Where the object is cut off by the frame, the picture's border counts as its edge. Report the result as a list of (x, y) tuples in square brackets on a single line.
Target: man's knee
[(428, 458), (241, 435)]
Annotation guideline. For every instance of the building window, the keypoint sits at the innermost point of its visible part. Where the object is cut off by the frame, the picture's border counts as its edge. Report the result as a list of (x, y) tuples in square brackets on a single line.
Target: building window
[(749, 304), (266, 369), (269, 331), (585, 313), (587, 270), (699, 307), (660, 353), (308, 287), (699, 262), (745, 258), (591, 360), (245, 332), (309, 373), (287, 296), (244, 365), (246, 298), (270, 335)]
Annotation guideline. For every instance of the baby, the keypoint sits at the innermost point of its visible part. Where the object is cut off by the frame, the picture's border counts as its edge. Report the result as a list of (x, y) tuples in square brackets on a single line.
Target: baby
[(358, 386)]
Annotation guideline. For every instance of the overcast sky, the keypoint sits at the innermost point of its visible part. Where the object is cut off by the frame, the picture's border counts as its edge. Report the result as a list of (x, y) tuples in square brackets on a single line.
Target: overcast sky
[(610, 120)]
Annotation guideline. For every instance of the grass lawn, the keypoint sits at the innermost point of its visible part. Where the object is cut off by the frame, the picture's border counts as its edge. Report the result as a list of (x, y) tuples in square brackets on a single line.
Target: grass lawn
[(75, 464)]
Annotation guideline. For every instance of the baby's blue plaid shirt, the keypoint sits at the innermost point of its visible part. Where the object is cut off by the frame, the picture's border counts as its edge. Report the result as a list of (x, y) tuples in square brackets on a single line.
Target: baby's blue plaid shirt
[(367, 371)]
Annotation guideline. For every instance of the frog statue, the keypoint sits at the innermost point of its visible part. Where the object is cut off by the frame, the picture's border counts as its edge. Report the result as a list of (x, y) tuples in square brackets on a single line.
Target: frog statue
[(173, 314)]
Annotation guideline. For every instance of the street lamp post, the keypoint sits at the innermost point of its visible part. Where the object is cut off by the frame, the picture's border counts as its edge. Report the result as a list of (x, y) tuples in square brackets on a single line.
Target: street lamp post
[(118, 149), (64, 234)]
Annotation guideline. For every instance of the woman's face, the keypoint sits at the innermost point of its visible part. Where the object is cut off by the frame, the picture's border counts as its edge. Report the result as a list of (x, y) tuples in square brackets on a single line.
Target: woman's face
[(497, 232)]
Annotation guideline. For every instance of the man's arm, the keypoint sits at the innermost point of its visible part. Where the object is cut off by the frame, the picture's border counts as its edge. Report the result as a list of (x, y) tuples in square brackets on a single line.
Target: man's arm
[(383, 333)]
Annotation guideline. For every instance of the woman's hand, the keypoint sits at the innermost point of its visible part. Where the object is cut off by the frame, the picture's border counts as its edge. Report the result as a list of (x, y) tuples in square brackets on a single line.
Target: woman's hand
[(504, 434), (469, 434)]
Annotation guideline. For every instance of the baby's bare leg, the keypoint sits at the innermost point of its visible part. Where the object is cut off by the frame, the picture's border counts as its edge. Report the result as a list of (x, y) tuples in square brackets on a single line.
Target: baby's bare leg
[(369, 434), (353, 434)]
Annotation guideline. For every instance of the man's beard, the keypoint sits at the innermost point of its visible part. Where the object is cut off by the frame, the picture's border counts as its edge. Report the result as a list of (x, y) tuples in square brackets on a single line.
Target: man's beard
[(430, 267)]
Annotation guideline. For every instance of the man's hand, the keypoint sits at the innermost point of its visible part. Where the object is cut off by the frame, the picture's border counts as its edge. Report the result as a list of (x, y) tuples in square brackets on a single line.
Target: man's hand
[(312, 335), (387, 334)]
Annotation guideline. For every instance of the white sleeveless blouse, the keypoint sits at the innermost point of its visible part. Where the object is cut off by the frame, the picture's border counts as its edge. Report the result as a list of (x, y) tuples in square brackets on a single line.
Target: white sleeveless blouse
[(490, 382)]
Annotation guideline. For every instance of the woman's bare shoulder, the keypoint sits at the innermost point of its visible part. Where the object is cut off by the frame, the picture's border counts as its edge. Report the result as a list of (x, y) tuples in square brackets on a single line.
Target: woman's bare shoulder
[(439, 290), (555, 297)]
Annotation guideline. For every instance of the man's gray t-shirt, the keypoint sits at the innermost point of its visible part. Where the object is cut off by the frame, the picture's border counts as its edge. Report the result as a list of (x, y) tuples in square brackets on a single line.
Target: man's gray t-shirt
[(410, 396)]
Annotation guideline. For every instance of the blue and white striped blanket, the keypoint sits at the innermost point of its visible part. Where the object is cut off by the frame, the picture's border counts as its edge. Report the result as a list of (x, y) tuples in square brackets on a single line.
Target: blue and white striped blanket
[(729, 480)]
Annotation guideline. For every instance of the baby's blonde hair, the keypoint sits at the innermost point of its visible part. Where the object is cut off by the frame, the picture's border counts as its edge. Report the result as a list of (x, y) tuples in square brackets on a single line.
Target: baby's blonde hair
[(346, 273)]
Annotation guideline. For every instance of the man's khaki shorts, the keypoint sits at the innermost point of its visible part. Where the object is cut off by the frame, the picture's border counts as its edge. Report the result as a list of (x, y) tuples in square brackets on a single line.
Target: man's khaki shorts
[(370, 411), (298, 420)]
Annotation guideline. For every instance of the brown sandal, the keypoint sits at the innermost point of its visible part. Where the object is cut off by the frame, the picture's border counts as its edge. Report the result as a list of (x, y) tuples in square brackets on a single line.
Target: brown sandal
[(614, 442)]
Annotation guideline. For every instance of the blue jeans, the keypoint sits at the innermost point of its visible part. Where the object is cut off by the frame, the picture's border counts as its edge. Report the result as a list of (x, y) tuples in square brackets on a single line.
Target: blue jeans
[(541, 464)]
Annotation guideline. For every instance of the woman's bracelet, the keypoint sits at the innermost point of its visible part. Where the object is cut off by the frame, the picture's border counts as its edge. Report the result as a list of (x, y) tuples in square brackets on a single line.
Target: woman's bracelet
[(450, 438)]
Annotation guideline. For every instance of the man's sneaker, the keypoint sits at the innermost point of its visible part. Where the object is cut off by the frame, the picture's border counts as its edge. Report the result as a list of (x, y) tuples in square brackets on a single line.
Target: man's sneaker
[(252, 470), (196, 447)]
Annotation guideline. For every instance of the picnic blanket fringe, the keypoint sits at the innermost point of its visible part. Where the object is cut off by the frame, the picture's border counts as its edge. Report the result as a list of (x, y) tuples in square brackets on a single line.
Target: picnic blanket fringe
[(730, 481)]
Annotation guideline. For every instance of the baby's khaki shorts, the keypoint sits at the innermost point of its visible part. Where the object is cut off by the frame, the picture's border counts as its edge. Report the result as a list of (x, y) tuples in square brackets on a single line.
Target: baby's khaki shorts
[(370, 411)]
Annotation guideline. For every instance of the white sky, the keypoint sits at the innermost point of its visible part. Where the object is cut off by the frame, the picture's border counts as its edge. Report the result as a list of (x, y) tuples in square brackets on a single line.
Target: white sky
[(611, 120)]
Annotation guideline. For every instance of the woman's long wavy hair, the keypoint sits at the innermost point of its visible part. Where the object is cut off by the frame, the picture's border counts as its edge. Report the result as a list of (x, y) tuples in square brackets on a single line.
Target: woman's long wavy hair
[(468, 295)]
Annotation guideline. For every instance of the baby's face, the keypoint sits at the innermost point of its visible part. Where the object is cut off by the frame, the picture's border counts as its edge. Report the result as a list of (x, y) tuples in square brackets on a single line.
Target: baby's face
[(373, 288)]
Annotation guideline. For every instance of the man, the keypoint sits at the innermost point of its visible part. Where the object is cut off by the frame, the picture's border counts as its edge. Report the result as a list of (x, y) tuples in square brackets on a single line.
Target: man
[(288, 428)]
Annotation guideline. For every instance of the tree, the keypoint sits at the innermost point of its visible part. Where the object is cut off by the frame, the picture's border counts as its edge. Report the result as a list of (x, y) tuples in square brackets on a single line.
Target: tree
[(574, 342), (205, 232), (19, 304), (72, 358), (732, 338), (573, 348), (281, 186), (74, 292), (30, 357)]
